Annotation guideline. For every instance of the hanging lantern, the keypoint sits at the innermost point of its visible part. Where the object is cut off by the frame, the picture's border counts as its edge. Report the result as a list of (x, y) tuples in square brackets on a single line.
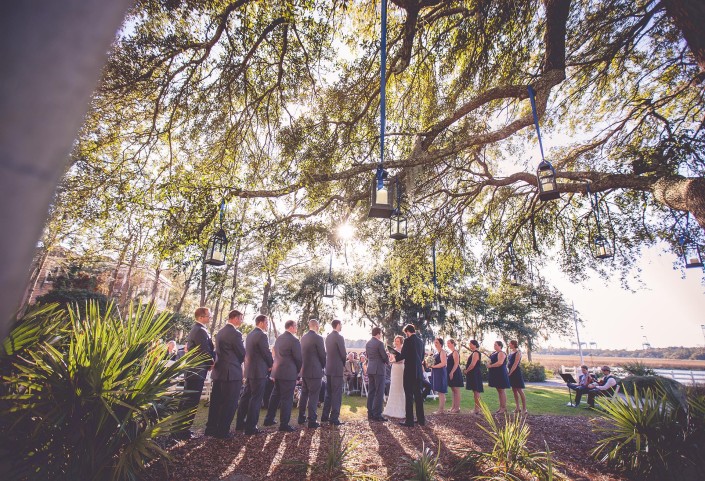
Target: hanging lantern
[(534, 297), (329, 288), (435, 309), (691, 254), (217, 249), (601, 247), (397, 222), (382, 196), (514, 277), (546, 176)]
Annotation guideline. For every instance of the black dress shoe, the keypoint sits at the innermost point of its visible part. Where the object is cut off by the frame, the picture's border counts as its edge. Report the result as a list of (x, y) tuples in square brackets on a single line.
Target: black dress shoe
[(268, 423), (314, 425), (324, 420), (301, 420), (381, 419), (336, 423), (225, 436), (210, 432), (254, 431), (287, 429), (406, 425), (421, 423)]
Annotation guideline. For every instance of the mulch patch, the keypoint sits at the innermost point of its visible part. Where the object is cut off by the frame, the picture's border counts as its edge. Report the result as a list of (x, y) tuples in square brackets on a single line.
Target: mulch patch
[(380, 449)]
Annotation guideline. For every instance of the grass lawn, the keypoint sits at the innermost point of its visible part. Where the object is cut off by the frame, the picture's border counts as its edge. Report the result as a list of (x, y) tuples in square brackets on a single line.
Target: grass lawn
[(539, 400)]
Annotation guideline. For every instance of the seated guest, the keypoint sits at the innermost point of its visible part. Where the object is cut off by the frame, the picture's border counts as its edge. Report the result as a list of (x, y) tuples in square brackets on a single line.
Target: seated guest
[(603, 387), (582, 386), (350, 371)]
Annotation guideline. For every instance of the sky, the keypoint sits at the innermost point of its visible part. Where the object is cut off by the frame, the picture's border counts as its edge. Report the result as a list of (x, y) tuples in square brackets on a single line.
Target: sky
[(670, 308)]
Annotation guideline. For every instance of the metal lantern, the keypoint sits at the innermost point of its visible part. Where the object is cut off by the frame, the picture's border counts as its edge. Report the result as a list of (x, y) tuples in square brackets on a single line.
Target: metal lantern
[(435, 309), (329, 288), (514, 277), (546, 176), (534, 297), (381, 196), (397, 222), (217, 249), (601, 247), (691, 255)]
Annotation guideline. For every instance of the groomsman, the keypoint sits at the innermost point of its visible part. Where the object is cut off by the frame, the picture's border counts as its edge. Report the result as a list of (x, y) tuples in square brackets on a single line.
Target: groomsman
[(412, 353), (335, 361), (226, 377), (314, 360), (377, 361), (258, 360), (287, 365), (198, 340)]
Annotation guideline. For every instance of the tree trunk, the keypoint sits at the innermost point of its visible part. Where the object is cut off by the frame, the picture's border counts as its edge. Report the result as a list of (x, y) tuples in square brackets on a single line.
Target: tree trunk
[(121, 259), (126, 289), (155, 286), (203, 281), (216, 316), (684, 194), (187, 284), (689, 17), (529, 349), (236, 260), (38, 265), (264, 307)]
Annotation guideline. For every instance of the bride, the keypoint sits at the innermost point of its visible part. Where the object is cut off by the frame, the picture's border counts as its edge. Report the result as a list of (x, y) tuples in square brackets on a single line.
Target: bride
[(396, 402)]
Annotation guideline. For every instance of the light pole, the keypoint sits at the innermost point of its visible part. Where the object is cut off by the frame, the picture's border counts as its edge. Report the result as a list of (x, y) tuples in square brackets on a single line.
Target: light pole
[(702, 326), (577, 335)]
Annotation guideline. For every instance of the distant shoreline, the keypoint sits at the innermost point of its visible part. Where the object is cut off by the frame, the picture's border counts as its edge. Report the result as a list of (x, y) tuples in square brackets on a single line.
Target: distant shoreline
[(554, 362)]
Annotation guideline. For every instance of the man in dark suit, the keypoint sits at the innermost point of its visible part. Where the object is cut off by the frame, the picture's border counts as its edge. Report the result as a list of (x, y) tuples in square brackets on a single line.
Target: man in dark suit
[(377, 361), (258, 360), (226, 377), (198, 340), (314, 360), (287, 365), (412, 354), (335, 361)]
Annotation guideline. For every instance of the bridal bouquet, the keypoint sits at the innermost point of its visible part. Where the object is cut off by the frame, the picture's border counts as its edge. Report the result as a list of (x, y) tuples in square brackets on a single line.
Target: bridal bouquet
[(430, 360)]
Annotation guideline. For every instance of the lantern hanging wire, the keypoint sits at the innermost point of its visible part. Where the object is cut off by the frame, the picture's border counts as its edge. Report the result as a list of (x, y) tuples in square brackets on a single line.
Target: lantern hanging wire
[(545, 173)]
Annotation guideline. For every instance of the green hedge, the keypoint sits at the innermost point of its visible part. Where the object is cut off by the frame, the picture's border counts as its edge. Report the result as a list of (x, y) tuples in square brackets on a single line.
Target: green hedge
[(533, 372)]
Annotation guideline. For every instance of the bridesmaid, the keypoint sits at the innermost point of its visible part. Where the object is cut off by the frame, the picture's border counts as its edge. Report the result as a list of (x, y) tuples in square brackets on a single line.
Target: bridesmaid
[(473, 375), (455, 376), (516, 378), (439, 375), (498, 376)]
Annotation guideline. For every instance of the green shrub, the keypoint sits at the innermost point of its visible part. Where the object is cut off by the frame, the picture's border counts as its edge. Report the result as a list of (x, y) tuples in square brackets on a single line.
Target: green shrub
[(87, 401), (637, 368), (425, 467), (533, 372), (654, 433), (74, 297)]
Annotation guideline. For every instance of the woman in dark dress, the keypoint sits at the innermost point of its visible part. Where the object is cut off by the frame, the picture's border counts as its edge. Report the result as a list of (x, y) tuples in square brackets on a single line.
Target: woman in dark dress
[(498, 376), (439, 375), (455, 377), (473, 375), (516, 378)]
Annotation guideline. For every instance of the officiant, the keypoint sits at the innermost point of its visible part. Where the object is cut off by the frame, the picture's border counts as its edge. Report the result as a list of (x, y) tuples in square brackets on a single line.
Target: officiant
[(412, 353)]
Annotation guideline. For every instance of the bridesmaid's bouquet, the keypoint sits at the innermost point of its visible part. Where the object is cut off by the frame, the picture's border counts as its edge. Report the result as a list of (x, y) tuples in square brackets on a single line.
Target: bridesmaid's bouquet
[(430, 360)]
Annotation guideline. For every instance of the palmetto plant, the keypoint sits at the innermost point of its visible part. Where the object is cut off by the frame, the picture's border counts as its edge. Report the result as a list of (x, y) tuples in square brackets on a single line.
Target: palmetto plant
[(510, 457), (87, 400), (334, 463), (653, 432), (424, 467)]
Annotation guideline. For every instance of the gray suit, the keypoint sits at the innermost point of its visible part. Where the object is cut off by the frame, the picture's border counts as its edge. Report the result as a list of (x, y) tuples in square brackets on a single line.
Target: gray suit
[(194, 379), (287, 365), (335, 361), (258, 360), (314, 360), (227, 380), (377, 361)]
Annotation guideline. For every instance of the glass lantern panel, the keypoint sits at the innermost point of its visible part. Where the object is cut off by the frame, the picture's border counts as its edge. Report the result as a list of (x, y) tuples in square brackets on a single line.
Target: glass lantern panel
[(692, 256)]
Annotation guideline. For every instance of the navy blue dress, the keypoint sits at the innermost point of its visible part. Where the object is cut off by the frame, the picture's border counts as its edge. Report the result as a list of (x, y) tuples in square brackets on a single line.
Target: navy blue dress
[(457, 379), (516, 379), (439, 377), (473, 379), (498, 376)]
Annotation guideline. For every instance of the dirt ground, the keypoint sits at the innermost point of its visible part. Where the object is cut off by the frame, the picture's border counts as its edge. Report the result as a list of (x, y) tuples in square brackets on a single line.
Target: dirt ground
[(379, 450)]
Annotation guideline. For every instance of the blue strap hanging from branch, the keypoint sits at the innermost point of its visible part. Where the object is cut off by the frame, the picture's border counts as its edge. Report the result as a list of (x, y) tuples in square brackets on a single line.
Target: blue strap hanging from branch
[(382, 91), (532, 98), (684, 233), (222, 211)]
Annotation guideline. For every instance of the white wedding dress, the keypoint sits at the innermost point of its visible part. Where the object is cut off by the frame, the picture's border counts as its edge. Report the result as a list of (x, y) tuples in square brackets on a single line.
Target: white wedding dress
[(396, 402)]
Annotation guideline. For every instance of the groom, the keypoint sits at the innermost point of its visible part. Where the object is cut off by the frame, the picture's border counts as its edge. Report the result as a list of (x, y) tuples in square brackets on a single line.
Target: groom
[(412, 353)]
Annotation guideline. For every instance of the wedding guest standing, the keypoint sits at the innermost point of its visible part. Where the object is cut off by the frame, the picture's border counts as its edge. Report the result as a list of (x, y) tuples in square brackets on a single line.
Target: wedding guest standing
[(226, 377), (455, 376), (516, 378), (439, 375), (395, 406), (198, 339), (473, 374), (377, 361), (335, 361), (412, 355), (313, 353), (285, 371), (258, 361), (497, 375)]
